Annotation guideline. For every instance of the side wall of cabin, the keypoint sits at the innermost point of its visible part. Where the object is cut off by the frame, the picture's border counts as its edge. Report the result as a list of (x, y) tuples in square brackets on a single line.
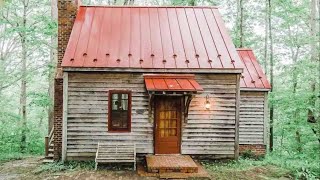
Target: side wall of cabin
[(253, 122), (205, 132)]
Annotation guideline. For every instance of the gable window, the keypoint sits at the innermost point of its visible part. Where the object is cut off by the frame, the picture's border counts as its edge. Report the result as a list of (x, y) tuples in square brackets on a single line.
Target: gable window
[(119, 109)]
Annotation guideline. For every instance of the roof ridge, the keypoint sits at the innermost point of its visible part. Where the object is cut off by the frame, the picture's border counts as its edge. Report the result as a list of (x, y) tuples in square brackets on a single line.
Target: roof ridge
[(118, 6)]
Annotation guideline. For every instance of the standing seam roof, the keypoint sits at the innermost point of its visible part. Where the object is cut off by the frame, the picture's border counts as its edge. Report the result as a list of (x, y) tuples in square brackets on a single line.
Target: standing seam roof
[(150, 37), (158, 38)]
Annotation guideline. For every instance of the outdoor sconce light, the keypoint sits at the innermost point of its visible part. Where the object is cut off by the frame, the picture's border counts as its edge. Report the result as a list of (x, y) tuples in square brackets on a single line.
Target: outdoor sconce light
[(207, 103)]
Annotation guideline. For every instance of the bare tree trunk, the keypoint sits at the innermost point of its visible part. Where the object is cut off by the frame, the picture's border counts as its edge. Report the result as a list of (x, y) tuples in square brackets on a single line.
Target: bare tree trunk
[(271, 73), (23, 95), (266, 42), (241, 26), (53, 61)]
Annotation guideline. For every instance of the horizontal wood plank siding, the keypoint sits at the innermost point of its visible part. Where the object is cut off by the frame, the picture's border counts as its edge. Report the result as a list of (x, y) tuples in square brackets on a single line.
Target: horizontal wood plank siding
[(205, 132), (252, 117), (212, 131), (88, 112)]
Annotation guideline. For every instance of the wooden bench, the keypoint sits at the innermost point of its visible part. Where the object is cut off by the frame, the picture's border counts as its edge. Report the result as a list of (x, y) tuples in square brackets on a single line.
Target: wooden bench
[(116, 153)]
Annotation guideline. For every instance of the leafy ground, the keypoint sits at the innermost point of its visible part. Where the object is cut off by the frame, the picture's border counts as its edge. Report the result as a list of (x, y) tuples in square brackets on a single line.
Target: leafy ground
[(32, 168)]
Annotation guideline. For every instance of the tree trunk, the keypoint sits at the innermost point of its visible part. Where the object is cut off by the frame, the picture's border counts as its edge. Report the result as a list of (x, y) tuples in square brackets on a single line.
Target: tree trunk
[(298, 139), (53, 61), (23, 95), (265, 55), (271, 73), (241, 26), (313, 47)]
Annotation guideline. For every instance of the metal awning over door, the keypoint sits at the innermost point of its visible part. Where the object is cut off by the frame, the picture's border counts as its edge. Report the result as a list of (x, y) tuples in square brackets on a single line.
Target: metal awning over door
[(171, 83)]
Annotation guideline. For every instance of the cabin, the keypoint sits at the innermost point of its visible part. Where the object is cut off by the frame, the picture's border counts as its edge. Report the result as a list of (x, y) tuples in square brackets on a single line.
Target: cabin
[(168, 79)]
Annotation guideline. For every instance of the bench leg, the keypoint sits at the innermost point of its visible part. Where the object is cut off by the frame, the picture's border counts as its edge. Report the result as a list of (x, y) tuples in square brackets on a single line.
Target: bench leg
[(96, 166)]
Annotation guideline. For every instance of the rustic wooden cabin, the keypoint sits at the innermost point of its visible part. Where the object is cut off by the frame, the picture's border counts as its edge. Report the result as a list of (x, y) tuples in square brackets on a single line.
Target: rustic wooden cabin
[(168, 79)]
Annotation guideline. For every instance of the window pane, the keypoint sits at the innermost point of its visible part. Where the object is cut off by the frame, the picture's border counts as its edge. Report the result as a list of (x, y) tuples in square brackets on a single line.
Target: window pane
[(124, 105), (119, 112), (124, 96), (114, 104)]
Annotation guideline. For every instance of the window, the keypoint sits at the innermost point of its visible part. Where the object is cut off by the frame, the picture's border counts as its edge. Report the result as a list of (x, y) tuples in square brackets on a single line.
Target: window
[(119, 111)]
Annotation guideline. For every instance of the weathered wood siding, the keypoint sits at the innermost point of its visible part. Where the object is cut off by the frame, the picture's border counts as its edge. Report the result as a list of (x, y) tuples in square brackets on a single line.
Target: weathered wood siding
[(205, 132), (252, 117), (212, 131), (88, 113)]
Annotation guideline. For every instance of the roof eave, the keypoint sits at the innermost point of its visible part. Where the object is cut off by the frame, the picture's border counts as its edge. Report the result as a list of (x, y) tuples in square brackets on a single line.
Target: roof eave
[(152, 70)]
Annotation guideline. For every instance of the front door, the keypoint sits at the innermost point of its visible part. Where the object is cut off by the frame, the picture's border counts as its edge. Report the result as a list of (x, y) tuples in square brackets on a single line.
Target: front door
[(167, 124)]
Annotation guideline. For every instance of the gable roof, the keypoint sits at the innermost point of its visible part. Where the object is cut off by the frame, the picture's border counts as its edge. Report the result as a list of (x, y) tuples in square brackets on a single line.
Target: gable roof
[(158, 38), (253, 75), (150, 37)]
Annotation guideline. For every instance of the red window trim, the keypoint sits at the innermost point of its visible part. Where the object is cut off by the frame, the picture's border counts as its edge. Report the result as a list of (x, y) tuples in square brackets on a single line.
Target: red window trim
[(110, 129)]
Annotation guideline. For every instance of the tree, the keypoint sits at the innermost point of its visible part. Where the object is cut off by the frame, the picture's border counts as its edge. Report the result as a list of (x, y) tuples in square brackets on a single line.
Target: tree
[(271, 72), (29, 24)]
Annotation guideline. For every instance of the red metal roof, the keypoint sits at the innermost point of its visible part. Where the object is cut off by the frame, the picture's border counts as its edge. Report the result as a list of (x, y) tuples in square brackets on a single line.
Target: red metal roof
[(150, 37), (253, 75), (158, 37), (171, 82)]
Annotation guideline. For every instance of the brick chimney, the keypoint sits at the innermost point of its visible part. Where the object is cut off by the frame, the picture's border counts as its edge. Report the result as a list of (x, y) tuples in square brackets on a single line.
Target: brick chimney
[(67, 11)]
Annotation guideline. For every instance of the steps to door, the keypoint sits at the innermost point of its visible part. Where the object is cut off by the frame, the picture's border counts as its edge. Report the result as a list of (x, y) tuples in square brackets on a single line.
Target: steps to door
[(171, 163)]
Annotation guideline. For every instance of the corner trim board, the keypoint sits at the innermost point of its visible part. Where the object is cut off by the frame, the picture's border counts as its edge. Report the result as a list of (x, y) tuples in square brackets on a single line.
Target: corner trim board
[(265, 123), (236, 141), (64, 116)]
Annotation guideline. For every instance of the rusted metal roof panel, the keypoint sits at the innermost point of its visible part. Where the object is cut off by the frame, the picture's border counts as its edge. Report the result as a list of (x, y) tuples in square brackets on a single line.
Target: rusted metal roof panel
[(253, 75), (150, 37), (171, 82)]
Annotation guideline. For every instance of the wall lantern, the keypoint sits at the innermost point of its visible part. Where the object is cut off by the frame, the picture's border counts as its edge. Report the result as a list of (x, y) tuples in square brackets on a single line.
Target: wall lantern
[(207, 103)]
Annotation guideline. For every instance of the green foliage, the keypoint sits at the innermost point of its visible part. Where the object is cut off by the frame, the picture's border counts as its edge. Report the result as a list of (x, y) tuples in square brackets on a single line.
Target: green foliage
[(283, 164), (248, 154), (9, 157)]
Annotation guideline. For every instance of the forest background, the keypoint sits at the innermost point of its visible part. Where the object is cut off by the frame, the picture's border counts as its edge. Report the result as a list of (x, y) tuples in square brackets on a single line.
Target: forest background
[(284, 35)]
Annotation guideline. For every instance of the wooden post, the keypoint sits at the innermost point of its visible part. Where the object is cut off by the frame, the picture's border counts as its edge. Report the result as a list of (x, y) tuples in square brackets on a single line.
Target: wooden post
[(46, 145), (64, 116), (236, 143)]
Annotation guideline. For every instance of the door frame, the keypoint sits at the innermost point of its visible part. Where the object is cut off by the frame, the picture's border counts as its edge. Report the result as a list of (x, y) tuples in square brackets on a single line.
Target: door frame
[(181, 98)]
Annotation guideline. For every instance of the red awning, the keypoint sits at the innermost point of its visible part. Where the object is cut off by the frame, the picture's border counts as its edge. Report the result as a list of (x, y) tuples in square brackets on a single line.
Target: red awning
[(171, 82)]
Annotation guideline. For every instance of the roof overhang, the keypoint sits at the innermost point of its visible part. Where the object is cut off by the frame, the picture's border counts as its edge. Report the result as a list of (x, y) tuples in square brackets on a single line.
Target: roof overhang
[(169, 70)]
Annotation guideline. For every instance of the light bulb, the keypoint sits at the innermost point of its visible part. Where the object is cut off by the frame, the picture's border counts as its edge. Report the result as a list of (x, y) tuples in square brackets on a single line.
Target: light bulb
[(207, 105)]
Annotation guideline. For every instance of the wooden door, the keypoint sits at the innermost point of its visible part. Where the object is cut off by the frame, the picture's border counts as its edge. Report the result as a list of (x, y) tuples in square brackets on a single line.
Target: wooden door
[(167, 125)]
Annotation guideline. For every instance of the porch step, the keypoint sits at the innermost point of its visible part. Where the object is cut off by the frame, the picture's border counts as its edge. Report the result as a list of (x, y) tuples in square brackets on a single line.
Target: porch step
[(171, 163)]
